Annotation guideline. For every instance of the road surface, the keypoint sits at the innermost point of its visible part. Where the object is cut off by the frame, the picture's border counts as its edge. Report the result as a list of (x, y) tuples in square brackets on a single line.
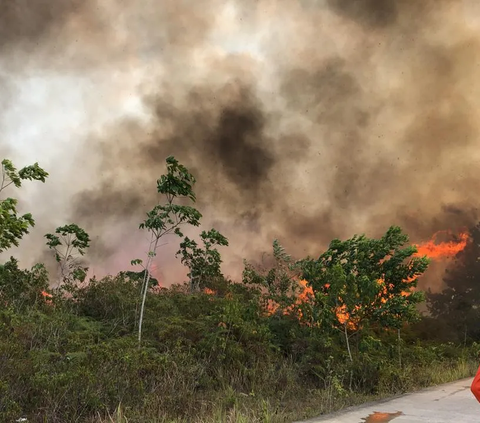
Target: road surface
[(450, 403)]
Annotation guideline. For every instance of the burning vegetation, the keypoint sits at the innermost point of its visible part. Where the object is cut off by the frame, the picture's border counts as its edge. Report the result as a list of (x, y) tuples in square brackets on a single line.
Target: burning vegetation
[(341, 117), (431, 249), (338, 324)]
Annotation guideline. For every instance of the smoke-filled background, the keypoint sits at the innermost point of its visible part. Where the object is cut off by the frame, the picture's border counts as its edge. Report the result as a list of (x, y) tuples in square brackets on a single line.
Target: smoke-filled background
[(302, 120)]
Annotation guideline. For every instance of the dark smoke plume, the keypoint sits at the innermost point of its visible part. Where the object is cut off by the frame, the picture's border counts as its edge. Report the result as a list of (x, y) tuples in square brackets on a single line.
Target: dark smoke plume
[(345, 117), (26, 22), (372, 13)]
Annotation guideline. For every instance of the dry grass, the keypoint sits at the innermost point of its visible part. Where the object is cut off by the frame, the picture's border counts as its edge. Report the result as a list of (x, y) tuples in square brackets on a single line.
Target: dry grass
[(249, 409)]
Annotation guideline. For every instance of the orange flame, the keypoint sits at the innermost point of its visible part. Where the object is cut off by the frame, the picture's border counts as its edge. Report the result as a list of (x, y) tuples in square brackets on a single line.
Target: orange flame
[(431, 249), (305, 296), (48, 297), (443, 249), (344, 318), (272, 307)]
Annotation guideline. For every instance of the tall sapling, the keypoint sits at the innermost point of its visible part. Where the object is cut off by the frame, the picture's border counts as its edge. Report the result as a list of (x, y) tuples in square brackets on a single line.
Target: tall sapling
[(167, 218)]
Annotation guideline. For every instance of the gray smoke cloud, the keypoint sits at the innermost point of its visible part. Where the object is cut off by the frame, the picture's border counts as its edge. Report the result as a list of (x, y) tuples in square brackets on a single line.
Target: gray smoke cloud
[(302, 121)]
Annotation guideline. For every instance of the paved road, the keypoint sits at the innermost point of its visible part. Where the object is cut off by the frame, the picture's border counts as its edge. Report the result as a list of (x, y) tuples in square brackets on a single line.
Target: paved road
[(451, 403)]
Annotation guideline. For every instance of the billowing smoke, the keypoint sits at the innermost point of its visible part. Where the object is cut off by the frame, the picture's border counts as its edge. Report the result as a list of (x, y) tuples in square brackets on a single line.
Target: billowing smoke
[(302, 121)]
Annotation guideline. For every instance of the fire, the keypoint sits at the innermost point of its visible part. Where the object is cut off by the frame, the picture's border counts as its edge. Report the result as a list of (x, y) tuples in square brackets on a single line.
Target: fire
[(272, 307), (404, 293), (442, 250), (305, 296), (307, 292), (431, 249), (48, 297), (344, 318)]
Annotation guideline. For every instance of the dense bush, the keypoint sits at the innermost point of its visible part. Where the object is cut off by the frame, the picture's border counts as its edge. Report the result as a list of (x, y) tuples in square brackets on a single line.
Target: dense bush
[(76, 359)]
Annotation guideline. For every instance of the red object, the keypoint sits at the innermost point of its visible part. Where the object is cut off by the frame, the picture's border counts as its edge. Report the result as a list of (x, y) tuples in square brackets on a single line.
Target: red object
[(475, 388)]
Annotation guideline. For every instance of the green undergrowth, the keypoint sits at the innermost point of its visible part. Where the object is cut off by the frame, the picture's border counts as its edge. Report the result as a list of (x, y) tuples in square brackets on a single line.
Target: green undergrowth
[(205, 358)]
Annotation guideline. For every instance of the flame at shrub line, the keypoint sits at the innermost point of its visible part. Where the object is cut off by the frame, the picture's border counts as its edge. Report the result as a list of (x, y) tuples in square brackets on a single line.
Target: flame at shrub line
[(430, 249)]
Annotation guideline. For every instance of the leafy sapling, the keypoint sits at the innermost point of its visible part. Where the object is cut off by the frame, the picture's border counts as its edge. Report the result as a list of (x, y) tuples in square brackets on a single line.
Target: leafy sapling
[(69, 243), (204, 263), (167, 218)]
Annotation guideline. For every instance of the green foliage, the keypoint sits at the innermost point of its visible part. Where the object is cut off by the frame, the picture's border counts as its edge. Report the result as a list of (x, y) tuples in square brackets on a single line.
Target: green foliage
[(363, 281), (177, 182), (369, 280), (278, 277), (73, 237), (204, 263), (10, 175), (168, 218), (67, 243), (140, 276), (64, 363), (12, 226), (20, 289)]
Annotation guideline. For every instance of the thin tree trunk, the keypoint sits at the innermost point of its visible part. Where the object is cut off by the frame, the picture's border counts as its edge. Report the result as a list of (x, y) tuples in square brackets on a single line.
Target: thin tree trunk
[(145, 290), (348, 344), (152, 245), (399, 338), (192, 284)]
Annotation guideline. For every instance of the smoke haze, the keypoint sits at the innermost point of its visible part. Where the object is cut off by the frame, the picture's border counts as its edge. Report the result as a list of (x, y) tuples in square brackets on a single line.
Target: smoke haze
[(302, 121)]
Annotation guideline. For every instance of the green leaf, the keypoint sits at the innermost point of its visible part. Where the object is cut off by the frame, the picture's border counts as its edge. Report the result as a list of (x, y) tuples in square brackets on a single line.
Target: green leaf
[(12, 176), (178, 182), (203, 263), (33, 172), (68, 241), (12, 226)]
